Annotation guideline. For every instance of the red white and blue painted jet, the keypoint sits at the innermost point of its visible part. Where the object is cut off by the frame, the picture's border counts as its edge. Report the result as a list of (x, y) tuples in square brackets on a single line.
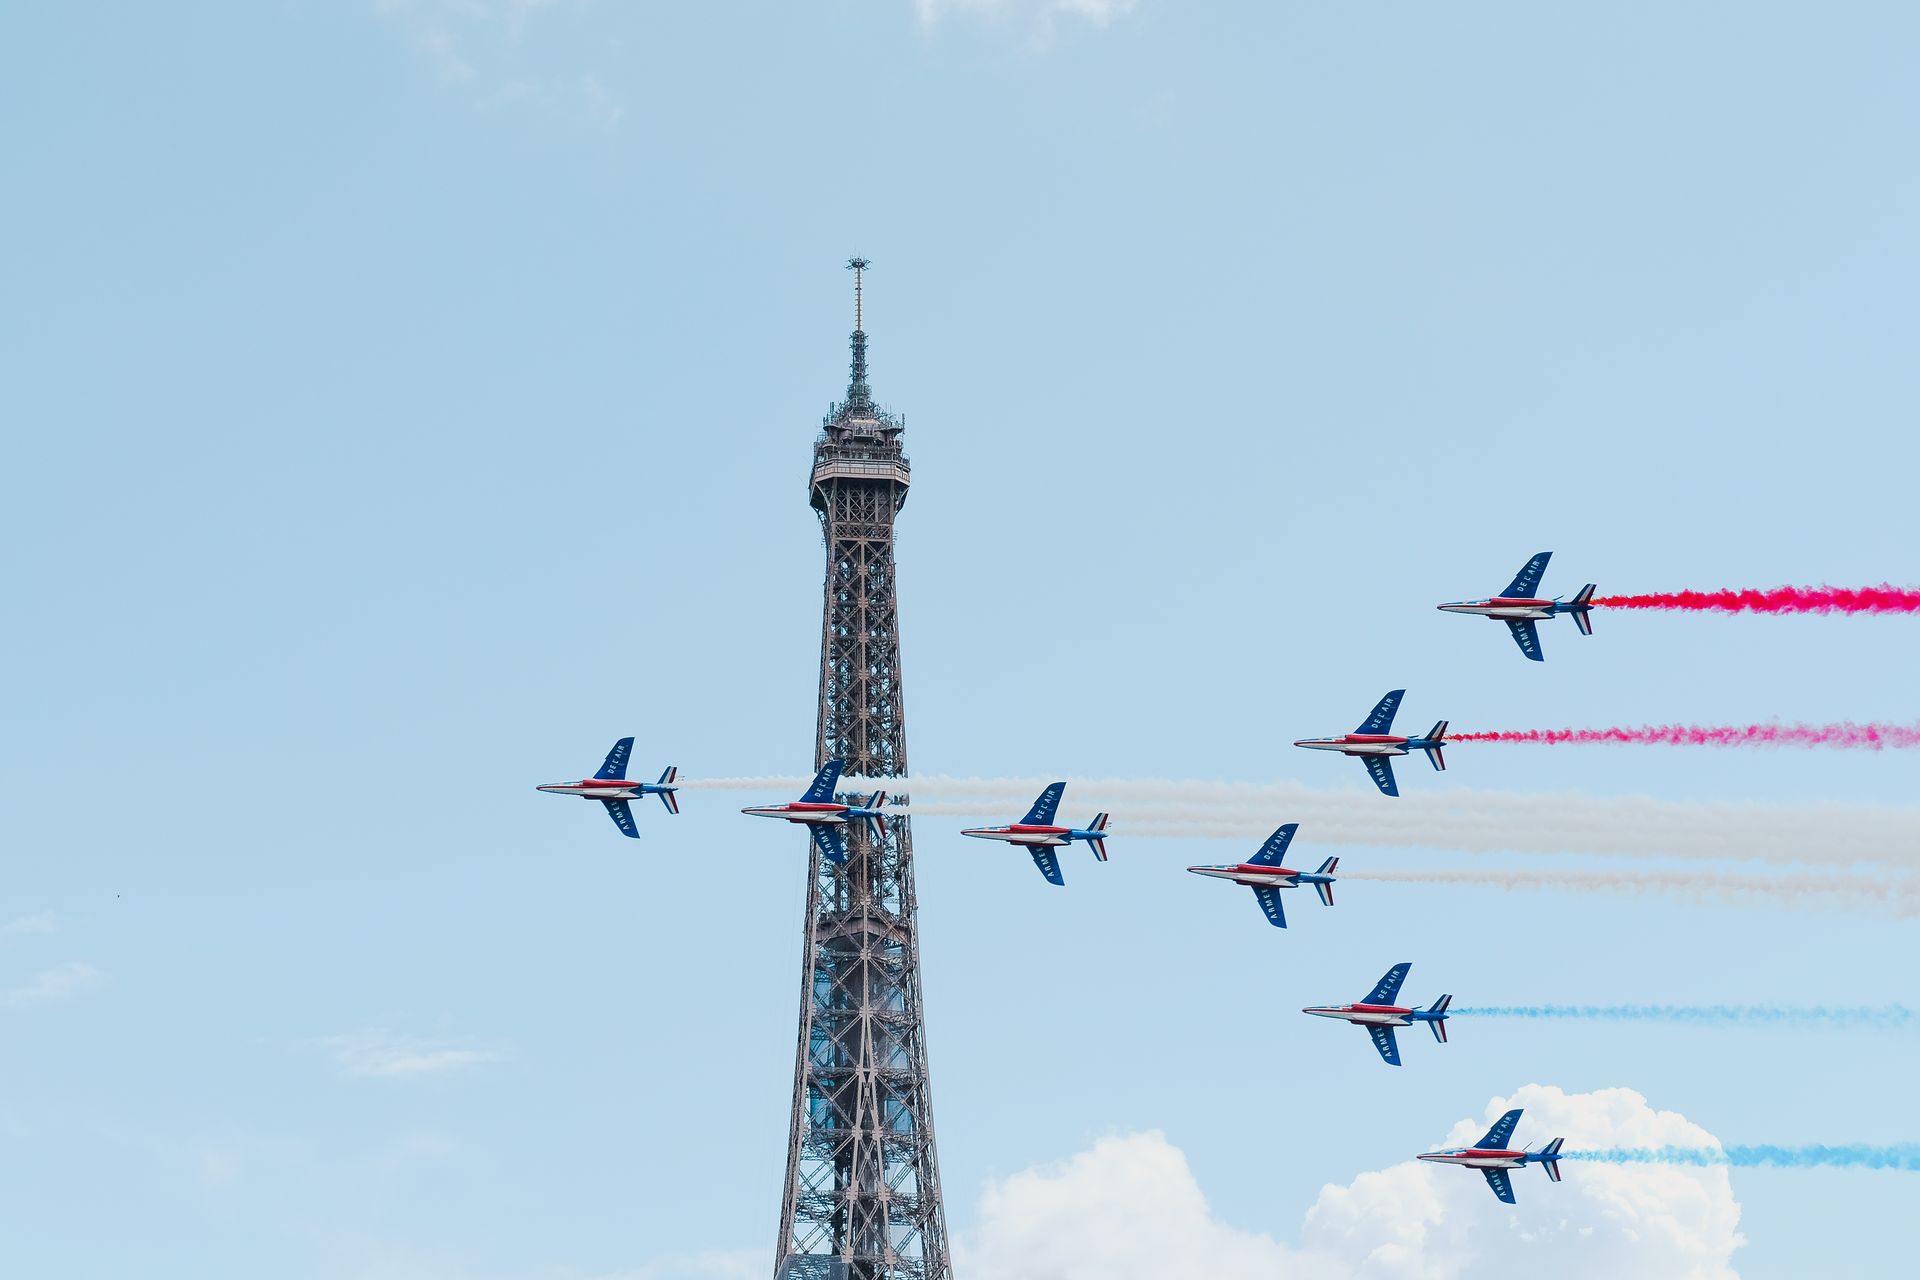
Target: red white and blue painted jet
[(1264, 874), (611, 787), (1378, 1013), (1037, 832), (1376, 745), (826, 818), (1520, 607), (1492, 1157)]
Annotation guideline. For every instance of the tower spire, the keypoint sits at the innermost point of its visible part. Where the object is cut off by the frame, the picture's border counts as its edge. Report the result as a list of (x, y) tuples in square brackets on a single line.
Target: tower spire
[(859, 394)]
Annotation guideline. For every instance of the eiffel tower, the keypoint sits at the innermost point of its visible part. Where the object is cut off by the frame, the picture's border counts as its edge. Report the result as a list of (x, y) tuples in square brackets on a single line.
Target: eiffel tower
[(862, 1194)]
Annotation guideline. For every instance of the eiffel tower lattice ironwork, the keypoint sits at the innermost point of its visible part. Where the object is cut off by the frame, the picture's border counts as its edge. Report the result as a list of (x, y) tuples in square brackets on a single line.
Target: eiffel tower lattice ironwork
[(862, 1196)]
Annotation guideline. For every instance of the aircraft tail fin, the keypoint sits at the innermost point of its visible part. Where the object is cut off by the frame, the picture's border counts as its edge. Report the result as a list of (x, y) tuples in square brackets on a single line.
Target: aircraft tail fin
[(1323, 880), (1583, 610), (1099, 842), (1550, 1158), (667, 797), (1435, 754), (1437, 1023)]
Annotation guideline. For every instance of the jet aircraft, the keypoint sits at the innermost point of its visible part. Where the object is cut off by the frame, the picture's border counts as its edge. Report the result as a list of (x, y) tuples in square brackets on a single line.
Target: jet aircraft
[(1380, 1015), (1264, 874), (1491, 1156), (1375, 744), (824, 816), (1037, 832), (611, 788), (1520, 609)]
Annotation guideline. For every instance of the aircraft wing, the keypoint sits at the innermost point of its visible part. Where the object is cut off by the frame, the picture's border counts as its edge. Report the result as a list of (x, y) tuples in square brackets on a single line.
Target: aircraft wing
[(1527, 581), (1048, 861), (1389, 985), (1502, 1185), (832, 845), (1382, 770), (1527, 637), (821, 792), (1270, 903), (1501, 1133), (1381, 721), (1383, 1041), (1041, 815), (1274, 850), (622, 817), (616, 765)]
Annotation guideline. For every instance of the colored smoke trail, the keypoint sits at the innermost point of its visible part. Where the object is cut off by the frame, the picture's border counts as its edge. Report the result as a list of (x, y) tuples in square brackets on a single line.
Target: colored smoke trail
[(1883, 1017), (1884, 598), (1846, 734), (1904, 1156), (1899, 896), (1464, 820)]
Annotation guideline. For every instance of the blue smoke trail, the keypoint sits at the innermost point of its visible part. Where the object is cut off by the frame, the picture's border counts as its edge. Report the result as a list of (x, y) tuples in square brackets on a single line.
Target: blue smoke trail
[(1887, 1017), (1903, 1156)]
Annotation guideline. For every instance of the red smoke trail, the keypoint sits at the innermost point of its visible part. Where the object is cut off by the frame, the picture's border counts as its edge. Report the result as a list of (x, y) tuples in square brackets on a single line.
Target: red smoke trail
[(1884, 598), (1868, 737)]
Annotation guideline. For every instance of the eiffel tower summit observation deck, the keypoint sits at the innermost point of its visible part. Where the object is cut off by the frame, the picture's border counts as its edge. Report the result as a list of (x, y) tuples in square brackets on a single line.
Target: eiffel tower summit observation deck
[(862, 1193)]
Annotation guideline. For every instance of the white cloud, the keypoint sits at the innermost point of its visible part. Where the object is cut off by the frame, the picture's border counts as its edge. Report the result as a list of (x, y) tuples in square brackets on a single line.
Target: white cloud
[(1044, 12), (38, 924), (52, 984), (1130, 1209), (375, 1052)]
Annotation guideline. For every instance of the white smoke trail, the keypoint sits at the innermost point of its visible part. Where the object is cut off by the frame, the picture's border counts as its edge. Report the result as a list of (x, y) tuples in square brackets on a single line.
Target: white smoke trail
[(1468, 821), (1898, 896)]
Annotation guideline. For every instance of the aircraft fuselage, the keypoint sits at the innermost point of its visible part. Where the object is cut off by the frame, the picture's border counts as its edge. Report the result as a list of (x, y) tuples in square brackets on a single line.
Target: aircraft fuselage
[(1376, 1015), (801, 811), (597, 789), (1479, 1158), (1359, 744), (1252, 876), (1504, 609), (1023, 833)]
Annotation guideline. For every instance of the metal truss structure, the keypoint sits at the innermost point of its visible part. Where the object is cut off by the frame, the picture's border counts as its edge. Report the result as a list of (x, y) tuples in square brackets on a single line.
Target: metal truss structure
[(862, 1195)]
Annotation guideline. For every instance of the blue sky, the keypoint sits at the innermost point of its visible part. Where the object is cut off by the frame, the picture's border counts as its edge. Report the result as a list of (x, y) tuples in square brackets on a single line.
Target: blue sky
[(407, 399)]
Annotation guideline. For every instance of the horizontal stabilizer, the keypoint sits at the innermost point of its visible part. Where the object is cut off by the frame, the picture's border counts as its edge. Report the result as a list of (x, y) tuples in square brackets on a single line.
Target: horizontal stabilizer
[(670, 800), (1550, 1158), (1583, 610), (1325, 889)]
